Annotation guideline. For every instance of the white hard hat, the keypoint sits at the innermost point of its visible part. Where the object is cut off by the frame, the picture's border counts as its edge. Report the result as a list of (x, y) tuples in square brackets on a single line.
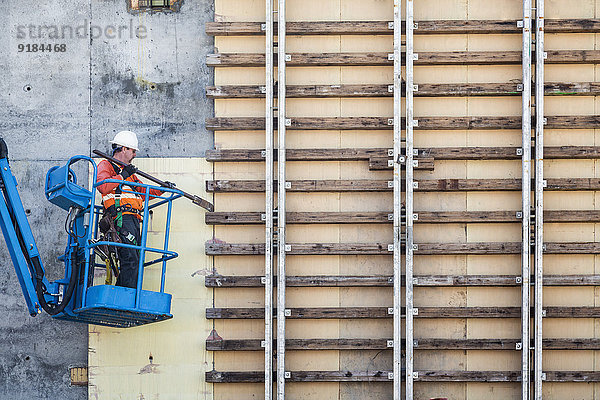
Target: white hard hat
[(126, 139)]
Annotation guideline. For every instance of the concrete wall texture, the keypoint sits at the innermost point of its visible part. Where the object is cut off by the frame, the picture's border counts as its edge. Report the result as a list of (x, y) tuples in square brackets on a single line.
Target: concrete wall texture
[(143, 72)]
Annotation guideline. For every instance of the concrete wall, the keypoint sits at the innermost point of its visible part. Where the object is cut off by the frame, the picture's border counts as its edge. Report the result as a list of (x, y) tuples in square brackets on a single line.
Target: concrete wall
[(57, 104)]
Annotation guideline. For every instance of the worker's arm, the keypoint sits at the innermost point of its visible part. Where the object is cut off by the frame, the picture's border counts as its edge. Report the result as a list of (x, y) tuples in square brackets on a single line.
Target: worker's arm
[(142, 190), (106, 171)]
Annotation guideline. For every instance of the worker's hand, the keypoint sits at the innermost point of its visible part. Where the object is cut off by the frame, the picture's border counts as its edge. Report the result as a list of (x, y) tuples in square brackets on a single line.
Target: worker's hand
[(169, 185), (127, 171)]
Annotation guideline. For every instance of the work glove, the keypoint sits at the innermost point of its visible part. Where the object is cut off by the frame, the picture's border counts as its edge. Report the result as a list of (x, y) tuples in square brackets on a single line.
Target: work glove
[(169, 185), (127, 171)]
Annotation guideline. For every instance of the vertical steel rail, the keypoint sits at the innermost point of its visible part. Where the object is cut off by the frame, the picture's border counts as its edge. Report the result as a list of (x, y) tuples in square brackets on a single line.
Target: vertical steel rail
[(526, 203), (410, 122), (269, 193), (539, 195), (397, 154), (281, 241)]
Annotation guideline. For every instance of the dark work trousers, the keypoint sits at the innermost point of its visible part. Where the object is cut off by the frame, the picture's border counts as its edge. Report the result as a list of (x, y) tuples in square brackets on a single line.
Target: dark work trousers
[(129, 258)]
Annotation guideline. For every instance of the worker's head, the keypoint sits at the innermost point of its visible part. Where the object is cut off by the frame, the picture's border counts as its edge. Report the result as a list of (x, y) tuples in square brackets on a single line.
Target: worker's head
[(125, 145)]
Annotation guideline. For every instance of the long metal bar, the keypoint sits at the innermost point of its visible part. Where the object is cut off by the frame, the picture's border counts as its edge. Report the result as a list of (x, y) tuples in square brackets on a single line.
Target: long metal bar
[(409, 206), (269, 193), (282, 123), (397, 201), (539, 195), (526, 203)]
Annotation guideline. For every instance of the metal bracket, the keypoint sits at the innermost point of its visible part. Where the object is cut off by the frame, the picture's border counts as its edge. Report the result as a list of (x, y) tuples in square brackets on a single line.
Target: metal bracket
[(416, 163), (545, 121), (288, 185), (390, 152), (520, 87), (390, 163), (288, 247), (390, 56), (415, 217), (390, 343), (390, 217), (390, 376), (287, 312), (288, 57), (519, 214), (416, 25), (391, 25), (288, 122), (415, 311), (263, 280), (263, 153), (263, 89), (415, 247), (390, 121), (263, 27), (415, 88), (390, 88), (287, 375), (519, 280), (519, 151), (263, 217), (519, 346), (544, 183), (415, 375), (544, 247), (391, 310), (263, 343), (543, 313), (415, 152), (415, 281), (391, 279), (390, 184), (415, 56), (520, 24), (415, 185), (401, 159), (415, 123), (415, 343), (390, 247), (545, 55)]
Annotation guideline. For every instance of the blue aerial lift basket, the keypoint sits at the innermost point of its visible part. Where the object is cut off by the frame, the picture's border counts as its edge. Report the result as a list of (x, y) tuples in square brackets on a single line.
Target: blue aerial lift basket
[(75, 297)]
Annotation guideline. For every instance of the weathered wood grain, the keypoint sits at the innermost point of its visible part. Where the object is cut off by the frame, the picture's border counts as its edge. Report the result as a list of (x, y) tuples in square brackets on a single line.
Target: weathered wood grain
[(382, 312), (427, 185), (424, 90), (381, 59), (434, 153), (387, 281), (383, 27), (385, 123), (420, 344)]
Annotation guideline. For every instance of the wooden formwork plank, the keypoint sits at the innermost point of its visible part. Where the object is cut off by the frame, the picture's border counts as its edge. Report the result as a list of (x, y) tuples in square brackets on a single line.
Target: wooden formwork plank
[(382, 59), (220, 281), (384, 123), (425, 90), (425, 154), (426, 185), (382, 312), (384, 27), (473, 248), (382, 376), (255, 218), (382, 344)]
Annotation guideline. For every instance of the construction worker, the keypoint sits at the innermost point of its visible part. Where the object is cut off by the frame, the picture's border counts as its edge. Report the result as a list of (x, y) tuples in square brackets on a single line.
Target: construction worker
[(123, 207)]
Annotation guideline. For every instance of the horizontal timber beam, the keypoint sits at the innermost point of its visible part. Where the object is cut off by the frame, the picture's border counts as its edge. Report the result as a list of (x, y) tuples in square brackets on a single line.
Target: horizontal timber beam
[(420, 344), (220, 281), (473, 248), (427, 185), (385, 123), (382, 376), (382, 59), (435, 153), (384, 28), (424, 90), (382, 312), (424, 217)]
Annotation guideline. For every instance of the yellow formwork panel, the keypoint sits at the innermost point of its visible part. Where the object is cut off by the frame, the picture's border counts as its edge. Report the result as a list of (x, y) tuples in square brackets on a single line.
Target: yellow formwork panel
[(165, 360)]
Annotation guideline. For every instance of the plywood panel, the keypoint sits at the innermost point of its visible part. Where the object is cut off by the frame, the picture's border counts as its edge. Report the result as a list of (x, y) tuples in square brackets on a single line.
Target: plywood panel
[(149, 361)]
